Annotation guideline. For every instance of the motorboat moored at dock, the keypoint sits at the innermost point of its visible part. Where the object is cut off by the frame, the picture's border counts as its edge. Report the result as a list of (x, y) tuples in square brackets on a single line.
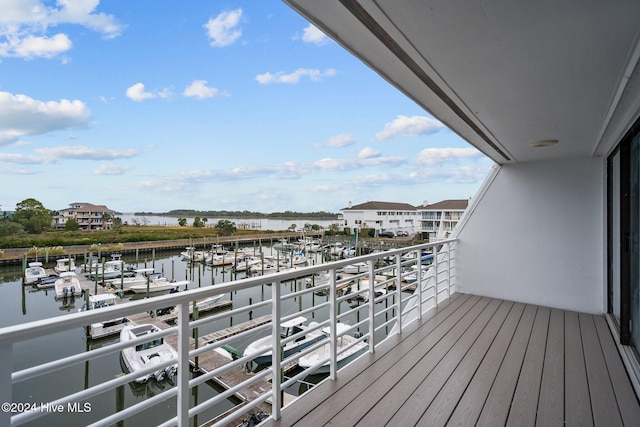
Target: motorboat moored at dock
[(262, 347), (34, 273), (68, 285), (152, 353), (108, 327), (348, 350), (64, 264)]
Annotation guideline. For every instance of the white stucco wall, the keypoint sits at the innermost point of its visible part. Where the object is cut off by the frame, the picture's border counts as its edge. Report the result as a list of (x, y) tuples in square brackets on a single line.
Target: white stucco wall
[(536, 236)]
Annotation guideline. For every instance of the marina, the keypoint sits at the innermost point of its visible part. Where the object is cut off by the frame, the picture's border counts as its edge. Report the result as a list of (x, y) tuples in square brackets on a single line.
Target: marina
[(233, 333)]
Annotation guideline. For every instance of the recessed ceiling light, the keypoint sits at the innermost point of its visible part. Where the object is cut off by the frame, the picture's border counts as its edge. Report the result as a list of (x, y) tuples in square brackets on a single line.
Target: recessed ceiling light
[(544, 143)]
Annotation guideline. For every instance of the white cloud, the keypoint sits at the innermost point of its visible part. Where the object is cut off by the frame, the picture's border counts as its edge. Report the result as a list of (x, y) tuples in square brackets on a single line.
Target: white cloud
[(200, 90), (24, 26), (368, 153), (42, 47), (23, 159), (110, 169), (342, 140), (80, 152), (21, 116), (311, 34), (223, 30), (434, 156), (292, 78), (138, 94), (409, 126)]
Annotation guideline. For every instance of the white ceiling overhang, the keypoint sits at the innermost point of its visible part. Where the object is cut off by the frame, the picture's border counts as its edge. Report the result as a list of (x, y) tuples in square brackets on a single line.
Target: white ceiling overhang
[(502, 74)]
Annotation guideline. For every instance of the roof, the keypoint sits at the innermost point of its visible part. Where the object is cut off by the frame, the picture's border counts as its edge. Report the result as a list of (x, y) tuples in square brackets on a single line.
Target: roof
[(455, 204), (386, 206), (88, 206), (503, 75)]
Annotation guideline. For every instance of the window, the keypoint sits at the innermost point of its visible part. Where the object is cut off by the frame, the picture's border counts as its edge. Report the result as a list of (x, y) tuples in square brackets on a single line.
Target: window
[(623, 237)]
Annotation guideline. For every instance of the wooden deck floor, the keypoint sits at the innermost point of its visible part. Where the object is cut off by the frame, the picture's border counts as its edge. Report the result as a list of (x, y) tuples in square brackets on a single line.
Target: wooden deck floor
[(481, 361)]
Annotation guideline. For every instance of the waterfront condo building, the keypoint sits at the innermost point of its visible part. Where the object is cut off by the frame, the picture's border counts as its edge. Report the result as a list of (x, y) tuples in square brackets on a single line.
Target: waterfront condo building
[(380, 216), (438, 220), (89, 216)]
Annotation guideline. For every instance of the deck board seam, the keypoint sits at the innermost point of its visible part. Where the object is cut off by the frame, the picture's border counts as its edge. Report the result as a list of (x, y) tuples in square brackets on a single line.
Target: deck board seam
[(438, 315), (428, 356)]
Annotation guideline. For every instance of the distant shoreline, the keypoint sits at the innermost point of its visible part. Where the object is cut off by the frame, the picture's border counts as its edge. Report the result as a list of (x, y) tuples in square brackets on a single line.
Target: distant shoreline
[(241, 215)]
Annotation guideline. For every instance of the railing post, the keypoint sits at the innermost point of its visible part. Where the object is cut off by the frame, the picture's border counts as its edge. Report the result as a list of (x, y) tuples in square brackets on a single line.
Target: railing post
[(333, 325), (183, 365), (398, 292), (5, 381), (419, 282), (276, 352), (435, 272), (372, 306), (449, 270)]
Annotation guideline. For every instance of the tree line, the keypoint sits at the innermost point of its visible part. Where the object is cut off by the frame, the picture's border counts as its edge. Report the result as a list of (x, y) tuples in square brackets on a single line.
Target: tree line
[(243, 214)]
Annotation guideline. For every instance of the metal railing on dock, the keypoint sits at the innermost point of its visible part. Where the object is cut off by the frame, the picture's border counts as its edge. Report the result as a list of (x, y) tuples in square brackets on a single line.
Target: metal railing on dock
[(384, 284)]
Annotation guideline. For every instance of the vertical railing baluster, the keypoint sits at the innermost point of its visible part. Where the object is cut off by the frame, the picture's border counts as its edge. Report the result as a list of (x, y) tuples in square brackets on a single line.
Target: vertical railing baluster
[(418, 290), (448, 270), (333, 327), (6, 348), (276, 352), (435, 271), (398, 292), (183, 364), (372, 305)]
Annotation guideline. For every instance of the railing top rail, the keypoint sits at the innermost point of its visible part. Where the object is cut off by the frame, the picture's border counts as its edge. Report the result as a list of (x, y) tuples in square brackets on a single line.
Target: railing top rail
[(34, 329)]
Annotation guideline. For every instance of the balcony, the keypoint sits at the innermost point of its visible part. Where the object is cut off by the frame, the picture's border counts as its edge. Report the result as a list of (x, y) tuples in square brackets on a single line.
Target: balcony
[(481, 361), (384, 288), (432, 354)]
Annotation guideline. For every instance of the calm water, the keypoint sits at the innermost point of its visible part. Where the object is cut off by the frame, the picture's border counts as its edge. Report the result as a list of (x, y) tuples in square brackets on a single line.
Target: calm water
[(23, 304), (257, 224)]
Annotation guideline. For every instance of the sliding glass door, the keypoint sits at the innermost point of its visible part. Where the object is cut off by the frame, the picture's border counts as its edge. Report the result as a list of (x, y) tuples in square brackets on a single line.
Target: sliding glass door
[(623, 229)]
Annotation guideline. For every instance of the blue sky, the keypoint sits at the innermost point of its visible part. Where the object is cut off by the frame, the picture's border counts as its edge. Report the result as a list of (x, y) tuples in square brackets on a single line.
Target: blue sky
[(209, 105)]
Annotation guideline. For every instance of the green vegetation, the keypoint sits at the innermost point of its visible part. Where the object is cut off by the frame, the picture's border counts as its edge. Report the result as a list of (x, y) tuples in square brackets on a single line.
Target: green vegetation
[(30, 227), (33, 216), (225, 227), (243, 214)]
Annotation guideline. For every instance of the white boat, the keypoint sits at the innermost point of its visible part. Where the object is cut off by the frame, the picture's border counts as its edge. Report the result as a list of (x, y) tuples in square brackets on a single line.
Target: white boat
[(218, 260), (262, 347), (140, 277), (363, 285), (246, 262), (34, 273), (284, 245), (110, 270), (206, 302), (68, 285), (324, 352), (322, 278), (157, 284), (191, 255), (152, 353), (336, 249), (108, 327), (65, 264), (355, 268), (298, 258)]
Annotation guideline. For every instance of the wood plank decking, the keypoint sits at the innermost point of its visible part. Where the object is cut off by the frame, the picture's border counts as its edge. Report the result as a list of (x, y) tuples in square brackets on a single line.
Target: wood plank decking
[(481, 361)]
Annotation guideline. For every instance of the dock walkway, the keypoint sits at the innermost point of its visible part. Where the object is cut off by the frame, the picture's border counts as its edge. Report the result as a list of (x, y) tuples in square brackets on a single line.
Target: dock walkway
[(212, 360)]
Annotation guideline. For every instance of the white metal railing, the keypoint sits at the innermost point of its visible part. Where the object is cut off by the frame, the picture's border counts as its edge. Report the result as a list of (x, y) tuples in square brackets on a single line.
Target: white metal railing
[(391, 303)]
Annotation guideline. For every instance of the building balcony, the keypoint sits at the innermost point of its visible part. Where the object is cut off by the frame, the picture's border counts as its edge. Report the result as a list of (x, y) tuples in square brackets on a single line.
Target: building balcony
[(481, 361), (432, 355)]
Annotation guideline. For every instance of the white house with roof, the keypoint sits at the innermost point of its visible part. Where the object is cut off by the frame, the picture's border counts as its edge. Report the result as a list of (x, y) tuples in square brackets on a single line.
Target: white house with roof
[(7, 211), (89, 216), (380, 216), (438, 220)]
